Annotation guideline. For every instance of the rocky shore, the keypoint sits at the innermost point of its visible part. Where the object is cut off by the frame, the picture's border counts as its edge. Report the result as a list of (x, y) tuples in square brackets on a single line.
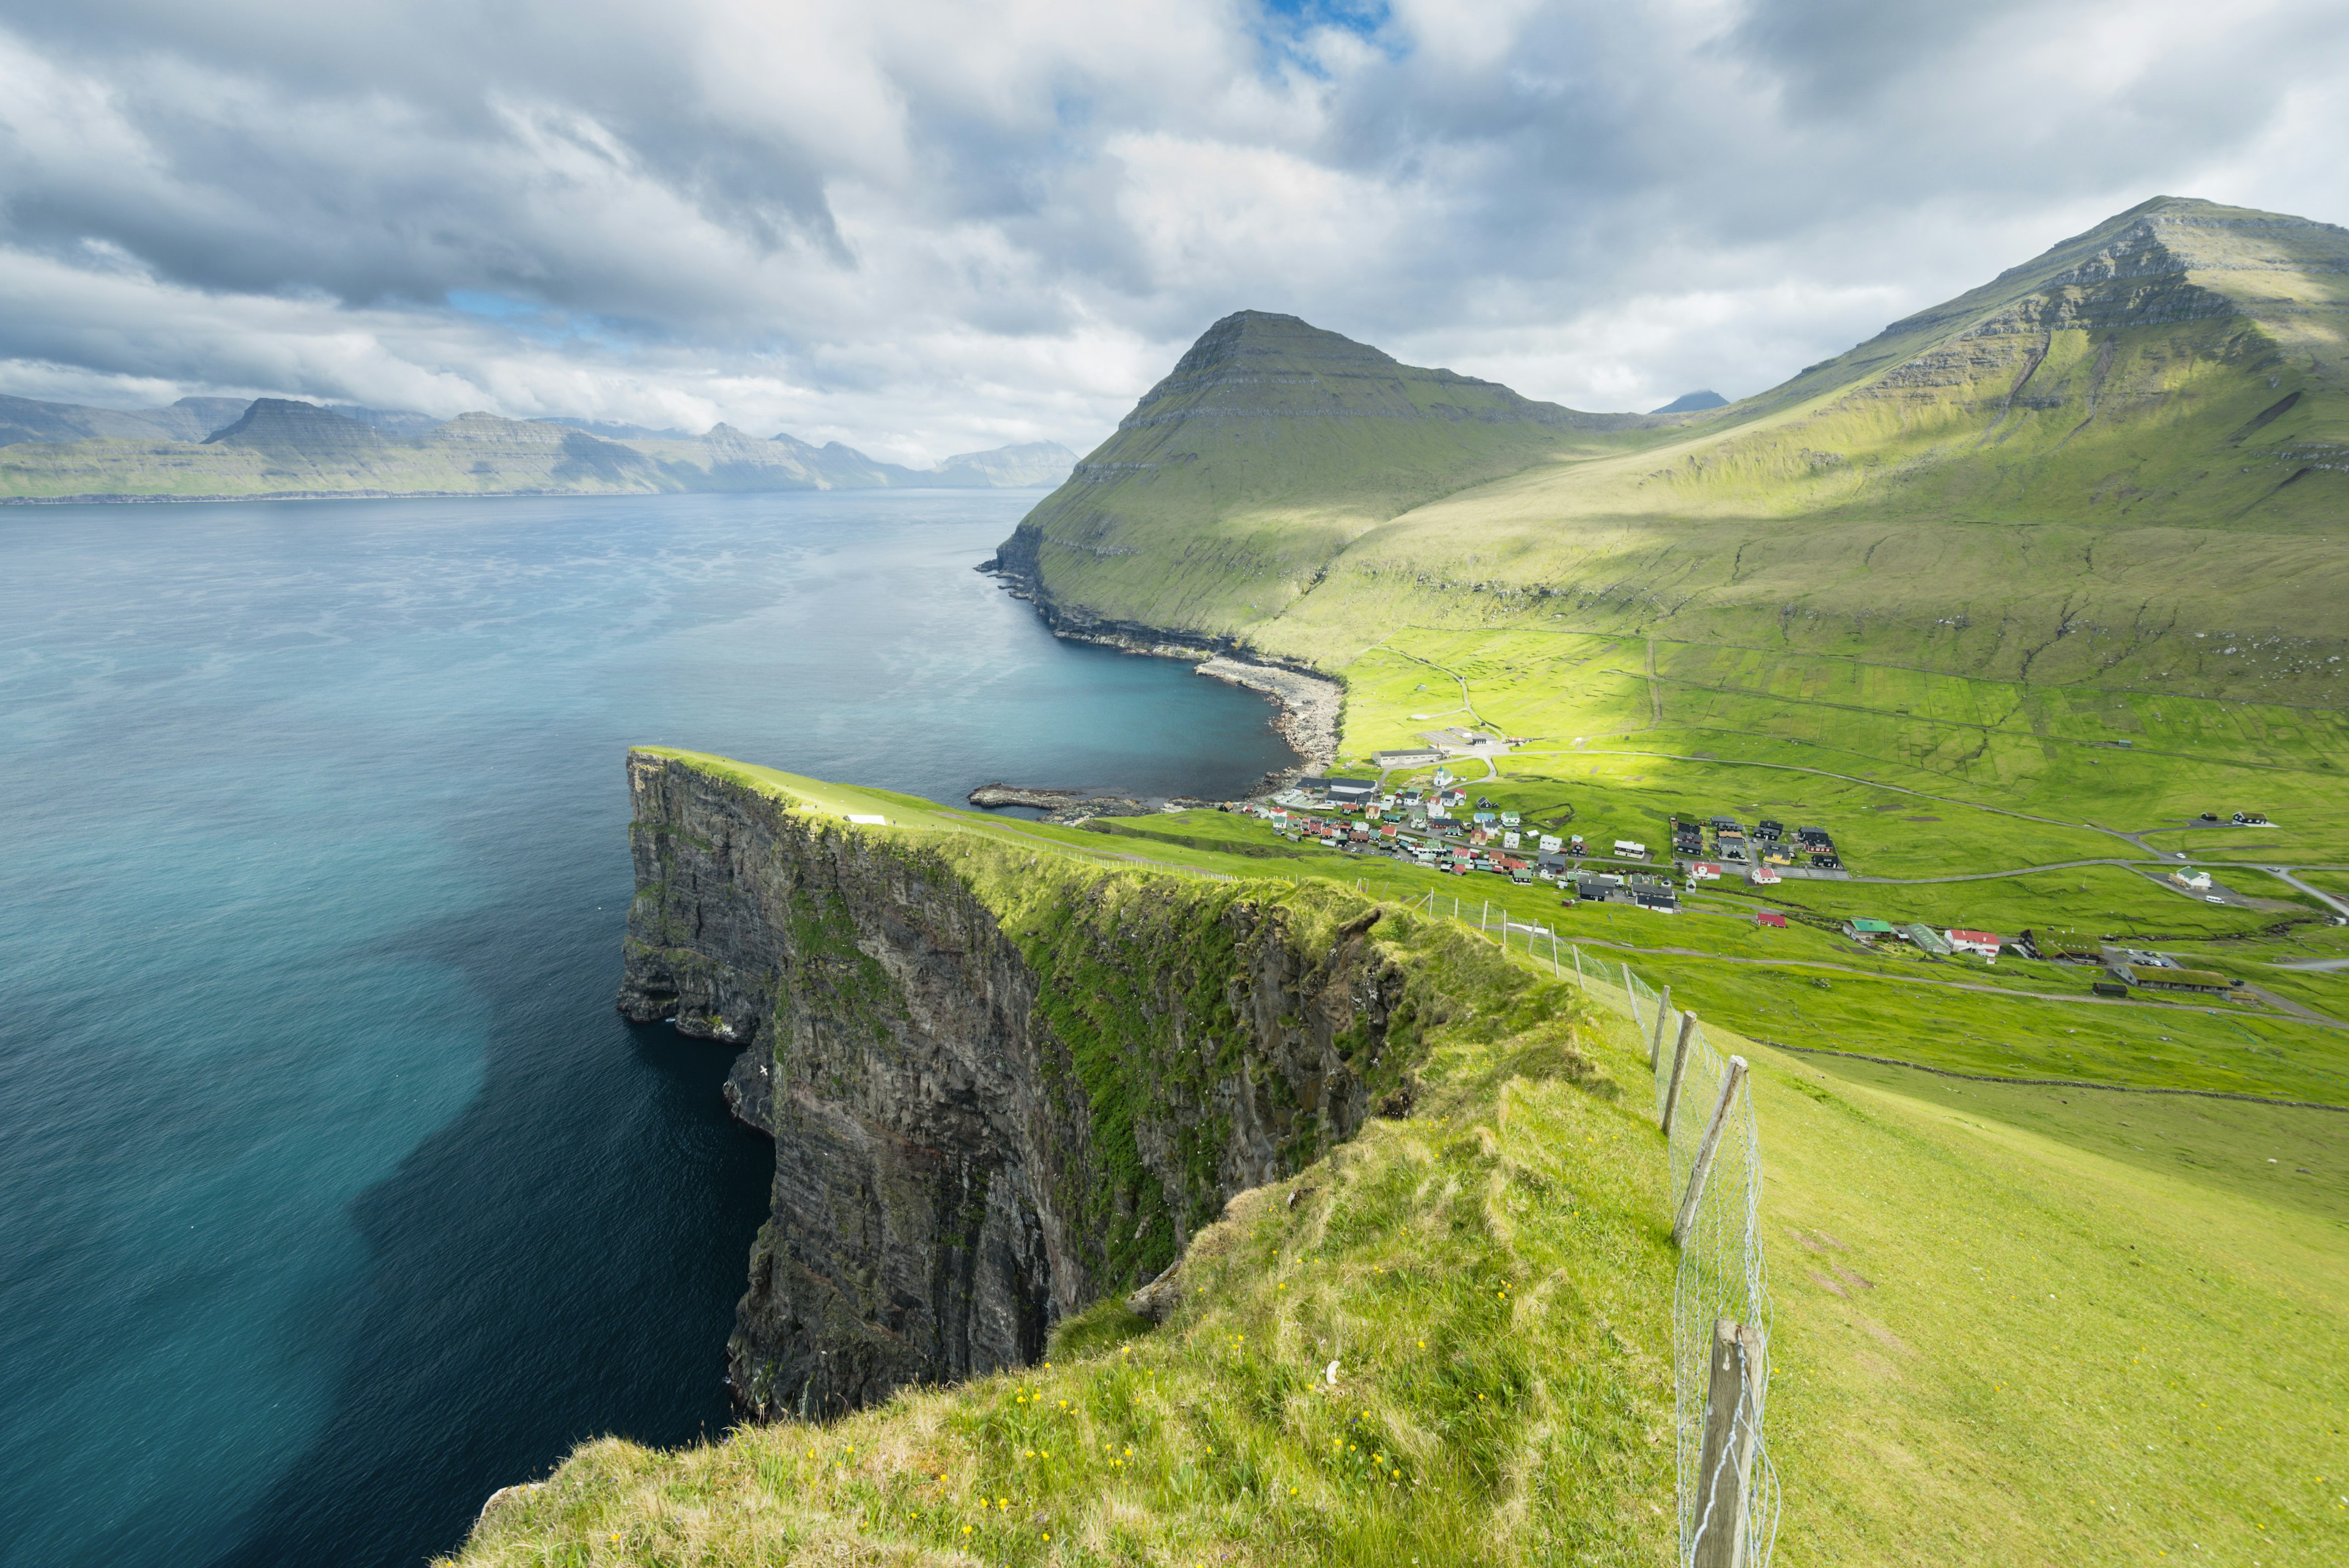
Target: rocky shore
[(1308, 706)]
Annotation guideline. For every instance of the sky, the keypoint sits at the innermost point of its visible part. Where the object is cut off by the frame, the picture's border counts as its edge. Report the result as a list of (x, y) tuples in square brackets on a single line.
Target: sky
[(933, 226)]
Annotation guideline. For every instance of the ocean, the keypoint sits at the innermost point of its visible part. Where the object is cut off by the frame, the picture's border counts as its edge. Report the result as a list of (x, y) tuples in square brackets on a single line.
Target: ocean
[(333, 1194)]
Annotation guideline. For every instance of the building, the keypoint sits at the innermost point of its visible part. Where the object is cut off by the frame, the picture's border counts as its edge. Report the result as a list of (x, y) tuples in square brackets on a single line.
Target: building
[(1630, 849), (1705, 871), (2191, 880), (1928, 939), (1866, 930), (1351, 792), (1984, 943), (1762, 876), (1408, 757), (1769, 917), (2146, 977)]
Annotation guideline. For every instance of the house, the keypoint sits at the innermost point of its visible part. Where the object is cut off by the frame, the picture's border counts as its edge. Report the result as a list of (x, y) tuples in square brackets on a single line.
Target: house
[(1864, 929), (1313, 784), (1705, 871), (1510, 838), (1550, 844), (1521, 874), (1629, 849), (2252, 819), (2149, 978), (2061, 947), (1928, 939), (1510, 819), (1769, 917), (1769, 830), (1762, 876), (1983, 942), (2108, 988), (1655, 893), (2187, 877)]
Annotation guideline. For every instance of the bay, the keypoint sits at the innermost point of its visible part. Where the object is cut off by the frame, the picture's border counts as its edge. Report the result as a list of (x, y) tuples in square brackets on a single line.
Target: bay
[(333, 1193)]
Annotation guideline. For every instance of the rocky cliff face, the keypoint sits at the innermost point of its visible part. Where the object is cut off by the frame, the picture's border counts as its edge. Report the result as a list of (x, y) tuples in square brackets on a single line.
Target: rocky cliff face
[(1000, 1087)]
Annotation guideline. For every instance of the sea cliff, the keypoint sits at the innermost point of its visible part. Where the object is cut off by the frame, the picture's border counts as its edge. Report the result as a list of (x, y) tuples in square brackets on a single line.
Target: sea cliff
[(1002, 1085)]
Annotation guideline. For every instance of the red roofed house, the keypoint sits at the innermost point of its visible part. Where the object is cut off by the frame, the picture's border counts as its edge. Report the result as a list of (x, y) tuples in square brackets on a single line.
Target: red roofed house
[(1769, 917), (1982, 942)]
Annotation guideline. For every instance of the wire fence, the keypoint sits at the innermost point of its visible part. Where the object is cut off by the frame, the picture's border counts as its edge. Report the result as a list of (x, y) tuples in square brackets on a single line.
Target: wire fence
[(1728, 1487)]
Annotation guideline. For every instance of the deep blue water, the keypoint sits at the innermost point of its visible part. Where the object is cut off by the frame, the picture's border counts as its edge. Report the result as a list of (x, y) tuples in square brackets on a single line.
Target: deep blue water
[(333, 1192)]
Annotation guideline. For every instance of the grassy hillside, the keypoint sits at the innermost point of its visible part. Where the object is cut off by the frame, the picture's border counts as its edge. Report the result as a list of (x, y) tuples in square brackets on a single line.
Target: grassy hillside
[(2122, 463), (1269, 448), (2012, 1324)]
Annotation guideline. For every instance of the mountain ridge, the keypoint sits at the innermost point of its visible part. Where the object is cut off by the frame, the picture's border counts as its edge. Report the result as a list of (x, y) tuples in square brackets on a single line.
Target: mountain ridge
[(2138, 436), (284, 447)]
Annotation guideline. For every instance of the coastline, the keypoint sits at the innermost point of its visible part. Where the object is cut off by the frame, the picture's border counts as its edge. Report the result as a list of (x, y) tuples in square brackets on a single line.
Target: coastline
[(1308, 705)]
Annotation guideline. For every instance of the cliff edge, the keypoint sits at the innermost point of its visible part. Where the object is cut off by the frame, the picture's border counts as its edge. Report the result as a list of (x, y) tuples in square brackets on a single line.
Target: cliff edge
[(1003, 1084)]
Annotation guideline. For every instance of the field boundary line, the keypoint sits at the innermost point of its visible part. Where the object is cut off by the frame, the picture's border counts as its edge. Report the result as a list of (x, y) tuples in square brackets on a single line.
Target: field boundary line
[(2050, 1083)]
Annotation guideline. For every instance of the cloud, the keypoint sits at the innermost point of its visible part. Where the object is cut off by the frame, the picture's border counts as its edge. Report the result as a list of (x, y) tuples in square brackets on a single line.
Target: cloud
[(929, 226)]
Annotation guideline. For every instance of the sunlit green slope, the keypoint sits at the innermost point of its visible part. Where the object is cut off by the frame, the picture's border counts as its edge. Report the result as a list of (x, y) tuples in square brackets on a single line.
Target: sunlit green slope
[(2124, 462), (1269, 446)]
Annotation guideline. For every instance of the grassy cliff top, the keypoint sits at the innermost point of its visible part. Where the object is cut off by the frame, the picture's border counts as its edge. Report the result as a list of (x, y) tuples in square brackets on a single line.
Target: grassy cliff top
[(2005, 1332)]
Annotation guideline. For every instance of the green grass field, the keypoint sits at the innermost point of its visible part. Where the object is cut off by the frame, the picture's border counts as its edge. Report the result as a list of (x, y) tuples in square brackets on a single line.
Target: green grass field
[(2012, 1324)]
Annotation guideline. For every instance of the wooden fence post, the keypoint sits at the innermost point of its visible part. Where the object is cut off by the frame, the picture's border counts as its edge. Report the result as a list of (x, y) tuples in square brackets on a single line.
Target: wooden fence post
[(1686, 1220), (1680, 1066), (1631, 997), (1725, 1461), (1656, 1035)]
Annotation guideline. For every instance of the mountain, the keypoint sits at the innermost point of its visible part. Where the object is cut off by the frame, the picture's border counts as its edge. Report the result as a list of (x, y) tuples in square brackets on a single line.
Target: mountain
[(1037, 462), (1270, 446), (190, 419), (1694, 402), (300, 433), (2116, 462), (212, 448)]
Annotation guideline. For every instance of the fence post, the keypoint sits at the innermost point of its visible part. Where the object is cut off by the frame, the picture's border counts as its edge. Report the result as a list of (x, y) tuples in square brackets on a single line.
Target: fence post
[(1680, 1066), (1730, 1083), (1556, 973), (1631, 996), (1725, 1462), (1577, 965), (1656, 1035)]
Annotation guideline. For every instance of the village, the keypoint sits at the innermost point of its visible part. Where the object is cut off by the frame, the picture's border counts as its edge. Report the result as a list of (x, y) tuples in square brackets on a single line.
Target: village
[(1439, 824)]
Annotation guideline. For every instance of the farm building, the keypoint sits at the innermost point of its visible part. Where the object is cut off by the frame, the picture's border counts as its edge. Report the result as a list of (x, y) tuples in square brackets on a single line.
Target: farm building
[(1408, 757), (1769, 917), (2146, 977), (1985, 943), (1928, 939), (1864, 929)]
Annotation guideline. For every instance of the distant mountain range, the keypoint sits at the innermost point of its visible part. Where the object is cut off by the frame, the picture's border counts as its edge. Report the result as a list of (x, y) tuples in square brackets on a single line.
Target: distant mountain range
[(222, 448)]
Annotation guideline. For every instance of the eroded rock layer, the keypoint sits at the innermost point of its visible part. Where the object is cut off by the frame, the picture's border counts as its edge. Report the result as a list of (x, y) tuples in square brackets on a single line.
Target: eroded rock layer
[(1000, 1087)]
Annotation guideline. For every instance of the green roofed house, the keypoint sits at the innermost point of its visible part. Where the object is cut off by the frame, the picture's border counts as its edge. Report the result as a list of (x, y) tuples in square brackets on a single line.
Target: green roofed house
[(2147, 977), (1929, 940), (1866, 931)]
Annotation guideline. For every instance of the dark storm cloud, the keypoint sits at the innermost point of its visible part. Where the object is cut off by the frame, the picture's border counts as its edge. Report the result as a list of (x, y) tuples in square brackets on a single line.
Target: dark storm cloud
[(928, 226)]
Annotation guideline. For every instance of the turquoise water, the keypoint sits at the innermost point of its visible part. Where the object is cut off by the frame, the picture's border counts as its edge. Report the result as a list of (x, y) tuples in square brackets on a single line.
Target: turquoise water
[(333, 1193)]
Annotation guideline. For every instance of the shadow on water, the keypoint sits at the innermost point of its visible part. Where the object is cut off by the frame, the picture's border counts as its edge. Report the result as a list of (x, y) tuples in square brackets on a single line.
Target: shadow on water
[(571, 1245)]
